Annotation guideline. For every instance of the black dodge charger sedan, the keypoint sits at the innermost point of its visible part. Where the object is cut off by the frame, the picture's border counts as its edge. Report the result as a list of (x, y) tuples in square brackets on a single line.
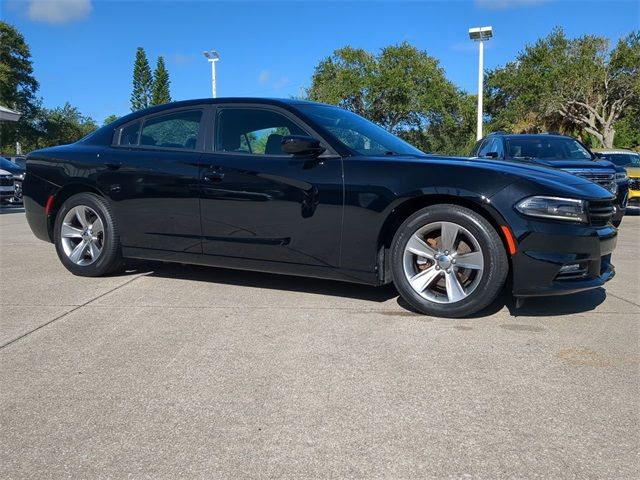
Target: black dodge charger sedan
[(307, 189)]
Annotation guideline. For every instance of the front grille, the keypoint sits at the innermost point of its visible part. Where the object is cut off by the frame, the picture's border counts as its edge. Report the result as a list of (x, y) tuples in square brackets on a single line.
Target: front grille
[(600, 212), (634, 184), (6, 180), (605, 179)]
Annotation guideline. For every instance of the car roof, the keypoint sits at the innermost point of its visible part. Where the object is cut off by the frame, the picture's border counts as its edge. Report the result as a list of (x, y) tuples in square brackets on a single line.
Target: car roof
[(528, 135), (213, 101), (105, 133), (282, 102)]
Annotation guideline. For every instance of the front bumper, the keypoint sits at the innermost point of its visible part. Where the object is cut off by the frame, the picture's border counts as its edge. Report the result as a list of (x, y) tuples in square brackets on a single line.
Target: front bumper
[(558, 259)]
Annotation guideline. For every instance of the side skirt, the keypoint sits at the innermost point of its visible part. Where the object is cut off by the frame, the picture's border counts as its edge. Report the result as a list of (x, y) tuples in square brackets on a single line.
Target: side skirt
[(238, 263)]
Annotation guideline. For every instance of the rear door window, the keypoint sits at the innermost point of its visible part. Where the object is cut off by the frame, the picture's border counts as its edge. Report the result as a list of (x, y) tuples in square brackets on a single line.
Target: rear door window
[(175, 130)]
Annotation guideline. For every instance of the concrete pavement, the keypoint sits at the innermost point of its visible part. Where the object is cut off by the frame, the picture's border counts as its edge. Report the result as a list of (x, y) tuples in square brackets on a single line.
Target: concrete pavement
[(189, 372)]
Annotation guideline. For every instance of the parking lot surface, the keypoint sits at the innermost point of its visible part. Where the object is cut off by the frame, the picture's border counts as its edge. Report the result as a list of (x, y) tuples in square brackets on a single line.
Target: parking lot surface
[(171, 371)]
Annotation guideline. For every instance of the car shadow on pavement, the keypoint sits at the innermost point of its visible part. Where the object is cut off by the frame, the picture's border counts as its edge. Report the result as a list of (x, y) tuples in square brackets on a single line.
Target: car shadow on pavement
[(537, 307), (245, 278), (532, 307)]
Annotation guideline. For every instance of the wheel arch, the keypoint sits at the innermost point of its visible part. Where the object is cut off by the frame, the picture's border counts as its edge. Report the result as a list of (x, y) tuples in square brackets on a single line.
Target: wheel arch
[(62, 195), (407, 208)]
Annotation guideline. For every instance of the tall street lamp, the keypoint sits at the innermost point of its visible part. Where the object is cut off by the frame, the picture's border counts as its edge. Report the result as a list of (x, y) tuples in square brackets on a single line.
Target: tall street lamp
[(213, 57), (480, 34)]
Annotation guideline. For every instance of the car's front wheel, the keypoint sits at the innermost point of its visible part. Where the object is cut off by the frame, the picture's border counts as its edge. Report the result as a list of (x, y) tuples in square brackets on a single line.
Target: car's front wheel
[(86, 236), (448, 261)]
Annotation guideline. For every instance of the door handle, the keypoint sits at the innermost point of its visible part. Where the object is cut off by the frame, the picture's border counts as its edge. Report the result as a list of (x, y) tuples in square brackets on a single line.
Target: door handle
[(214, 175)]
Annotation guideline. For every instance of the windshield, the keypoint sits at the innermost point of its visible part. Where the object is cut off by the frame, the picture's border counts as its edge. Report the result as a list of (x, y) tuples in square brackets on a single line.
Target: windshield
[(622, 159), (357, 133), (546, 148)]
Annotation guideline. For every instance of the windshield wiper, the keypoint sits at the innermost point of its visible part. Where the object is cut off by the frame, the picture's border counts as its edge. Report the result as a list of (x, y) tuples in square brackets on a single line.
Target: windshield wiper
[(524, 158), (390, 152)]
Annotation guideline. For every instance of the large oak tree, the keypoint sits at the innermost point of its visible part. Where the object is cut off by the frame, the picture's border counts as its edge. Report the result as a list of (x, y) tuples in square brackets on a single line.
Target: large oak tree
[(569, 84), (403, 90)]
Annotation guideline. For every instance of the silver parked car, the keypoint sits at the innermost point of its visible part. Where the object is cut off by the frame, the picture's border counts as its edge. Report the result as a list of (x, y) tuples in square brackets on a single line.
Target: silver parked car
[(7, 186), (17, 172)]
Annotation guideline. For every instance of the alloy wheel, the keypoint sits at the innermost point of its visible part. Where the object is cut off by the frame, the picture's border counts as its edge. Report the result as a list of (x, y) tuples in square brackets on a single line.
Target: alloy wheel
[(82, 235), (443, 262)]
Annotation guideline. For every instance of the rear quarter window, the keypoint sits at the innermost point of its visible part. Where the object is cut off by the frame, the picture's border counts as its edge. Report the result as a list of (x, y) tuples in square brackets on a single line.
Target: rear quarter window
[(129, 134)]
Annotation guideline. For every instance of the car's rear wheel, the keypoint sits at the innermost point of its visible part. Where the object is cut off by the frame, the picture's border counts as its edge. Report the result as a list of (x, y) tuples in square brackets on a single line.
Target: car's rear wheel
[(448, 261), (86, 236)]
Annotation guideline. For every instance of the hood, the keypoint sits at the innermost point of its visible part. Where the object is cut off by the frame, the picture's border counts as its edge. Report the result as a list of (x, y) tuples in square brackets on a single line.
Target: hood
[(521, 169), (4, 173), (549, 180), (633, 172), (567, 163)]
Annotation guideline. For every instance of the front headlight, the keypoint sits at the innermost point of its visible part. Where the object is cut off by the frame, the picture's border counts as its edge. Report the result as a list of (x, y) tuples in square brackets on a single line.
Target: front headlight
[(621, 177), (553, 207)]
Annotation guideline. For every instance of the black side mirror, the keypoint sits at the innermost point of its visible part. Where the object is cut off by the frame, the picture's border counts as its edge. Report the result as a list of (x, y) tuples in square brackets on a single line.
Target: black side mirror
[(302, 146), (491, 155)]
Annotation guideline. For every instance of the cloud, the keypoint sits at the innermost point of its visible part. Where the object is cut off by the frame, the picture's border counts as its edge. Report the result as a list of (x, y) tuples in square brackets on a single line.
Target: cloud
[(282, 82), (504, 4), (263, 77), (180, 59), (58, 11)]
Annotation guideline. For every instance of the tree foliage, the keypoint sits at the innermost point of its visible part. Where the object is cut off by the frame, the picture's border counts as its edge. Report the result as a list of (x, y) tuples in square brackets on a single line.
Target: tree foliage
[(18, 86), (573, 85), (628, 130), (160, 92), (402, 89), (141, 95), (62, 125), (110, 119)]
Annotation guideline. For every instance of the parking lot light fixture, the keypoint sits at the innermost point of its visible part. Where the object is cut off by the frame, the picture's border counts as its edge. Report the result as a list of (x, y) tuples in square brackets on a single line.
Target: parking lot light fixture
[(212, 56), (480, 34)]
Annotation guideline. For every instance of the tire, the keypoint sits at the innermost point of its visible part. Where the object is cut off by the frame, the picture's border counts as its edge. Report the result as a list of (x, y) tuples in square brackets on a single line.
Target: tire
[(458, 283), (87, 218), (616, 223)]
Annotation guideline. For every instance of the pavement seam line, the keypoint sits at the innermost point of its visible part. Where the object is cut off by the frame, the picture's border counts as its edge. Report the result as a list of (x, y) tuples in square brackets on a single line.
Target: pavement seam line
[(623, 299), (20, 337)]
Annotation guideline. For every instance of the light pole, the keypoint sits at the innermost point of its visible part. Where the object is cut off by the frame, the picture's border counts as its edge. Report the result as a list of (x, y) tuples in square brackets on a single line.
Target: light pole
[(480, 34), (213, 57)]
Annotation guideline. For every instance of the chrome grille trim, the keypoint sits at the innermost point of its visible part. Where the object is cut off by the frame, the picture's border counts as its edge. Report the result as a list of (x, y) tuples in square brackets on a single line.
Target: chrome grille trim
[(6, 180), (604, 178)]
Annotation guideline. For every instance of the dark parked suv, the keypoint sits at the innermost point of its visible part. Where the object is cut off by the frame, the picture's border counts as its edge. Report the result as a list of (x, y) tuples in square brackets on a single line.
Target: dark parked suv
[(307, 189), (558, 151)]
